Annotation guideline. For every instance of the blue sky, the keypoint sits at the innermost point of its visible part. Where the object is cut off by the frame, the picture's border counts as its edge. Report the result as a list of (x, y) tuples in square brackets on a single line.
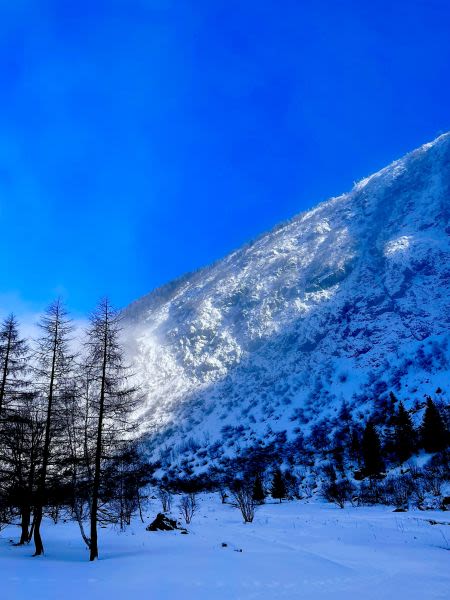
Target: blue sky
[(140, 139)]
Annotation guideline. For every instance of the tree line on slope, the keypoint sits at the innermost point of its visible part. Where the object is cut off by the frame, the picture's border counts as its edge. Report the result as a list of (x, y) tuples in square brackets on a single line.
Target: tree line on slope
[(340, 460), (64, 426)]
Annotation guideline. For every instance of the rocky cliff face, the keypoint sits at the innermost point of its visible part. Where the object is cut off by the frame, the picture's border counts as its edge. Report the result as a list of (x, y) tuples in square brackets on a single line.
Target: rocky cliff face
[(345, 301)]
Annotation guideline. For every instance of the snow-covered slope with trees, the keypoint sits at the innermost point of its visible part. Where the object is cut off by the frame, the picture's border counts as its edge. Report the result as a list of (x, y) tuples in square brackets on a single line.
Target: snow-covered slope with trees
[(346, 301)]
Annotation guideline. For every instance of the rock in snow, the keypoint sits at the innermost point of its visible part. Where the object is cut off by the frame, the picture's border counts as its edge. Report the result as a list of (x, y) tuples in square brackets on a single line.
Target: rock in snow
[(344, 302), (163, 523)]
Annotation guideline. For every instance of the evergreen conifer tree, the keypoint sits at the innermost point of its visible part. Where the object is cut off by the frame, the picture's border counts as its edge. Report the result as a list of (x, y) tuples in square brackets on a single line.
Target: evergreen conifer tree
[(391, 408), (259, 495), (404, 435), (434, 434), (278, 488), (371, 451)]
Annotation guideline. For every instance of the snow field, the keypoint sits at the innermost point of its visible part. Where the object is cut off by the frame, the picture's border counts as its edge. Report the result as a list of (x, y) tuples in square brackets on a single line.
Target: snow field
[(293, 550)]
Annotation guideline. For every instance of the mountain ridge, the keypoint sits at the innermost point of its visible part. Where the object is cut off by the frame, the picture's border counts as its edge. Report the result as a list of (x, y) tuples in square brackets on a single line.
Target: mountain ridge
[(188, 274), (284, 329)]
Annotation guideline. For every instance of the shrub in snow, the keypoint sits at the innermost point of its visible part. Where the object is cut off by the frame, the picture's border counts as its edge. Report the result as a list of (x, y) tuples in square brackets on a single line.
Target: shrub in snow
[(371, 491), (242, 493), (434, 480), (338, 491), (419, 494), (188, 507), (165, 498), (398, 490)]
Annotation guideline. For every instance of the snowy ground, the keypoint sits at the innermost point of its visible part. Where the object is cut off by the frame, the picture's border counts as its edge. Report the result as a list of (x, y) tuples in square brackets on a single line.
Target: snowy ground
[(293, 550)]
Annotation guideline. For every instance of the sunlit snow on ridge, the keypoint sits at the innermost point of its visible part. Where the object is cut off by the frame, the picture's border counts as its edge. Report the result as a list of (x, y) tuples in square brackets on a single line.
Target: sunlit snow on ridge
[(307, 315), (400, 244)]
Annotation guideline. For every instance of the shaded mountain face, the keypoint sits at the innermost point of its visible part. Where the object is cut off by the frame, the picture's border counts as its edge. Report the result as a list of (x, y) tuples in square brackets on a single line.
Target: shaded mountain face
[(346, 301)]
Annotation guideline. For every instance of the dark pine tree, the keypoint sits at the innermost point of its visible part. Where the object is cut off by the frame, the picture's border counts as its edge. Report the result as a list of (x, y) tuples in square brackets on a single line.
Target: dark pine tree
[(434, 434), (390, 408), (345, 415), (371, 451), (259, 495), (278, 487), (355, 444), (404, 435)]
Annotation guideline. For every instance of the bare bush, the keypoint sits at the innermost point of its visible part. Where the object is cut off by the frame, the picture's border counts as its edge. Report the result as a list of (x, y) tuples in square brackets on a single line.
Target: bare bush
[(188, 507), (307, 489), (398, 490), (243, 498), (434, 479), (371, 491), (419, 494), (338, 491), (223, 494), (6, 516), (414, 470), (165, 498)]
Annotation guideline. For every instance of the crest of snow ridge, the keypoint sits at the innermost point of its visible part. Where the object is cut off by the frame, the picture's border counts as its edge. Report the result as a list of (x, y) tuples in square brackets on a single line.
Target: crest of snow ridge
[(313, 312)]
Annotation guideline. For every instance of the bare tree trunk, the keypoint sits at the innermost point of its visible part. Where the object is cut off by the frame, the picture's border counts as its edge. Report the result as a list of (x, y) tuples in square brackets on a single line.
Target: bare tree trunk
[(25, 525), (138, 497), (39, 547), (98, 451), (30, 535), (26, 534), (79, 518), (111, 402)]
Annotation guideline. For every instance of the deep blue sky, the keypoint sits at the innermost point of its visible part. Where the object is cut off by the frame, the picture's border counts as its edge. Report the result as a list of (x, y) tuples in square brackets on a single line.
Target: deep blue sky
[(140, 139)]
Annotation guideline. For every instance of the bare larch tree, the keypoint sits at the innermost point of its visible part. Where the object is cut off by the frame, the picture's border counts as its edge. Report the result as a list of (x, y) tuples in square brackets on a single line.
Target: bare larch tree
[(19, 435), (112, 399), (13, 362), (54, 371)]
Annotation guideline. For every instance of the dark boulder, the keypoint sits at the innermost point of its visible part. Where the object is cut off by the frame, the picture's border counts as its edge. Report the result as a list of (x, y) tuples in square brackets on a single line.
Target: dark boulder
[(162, 523)]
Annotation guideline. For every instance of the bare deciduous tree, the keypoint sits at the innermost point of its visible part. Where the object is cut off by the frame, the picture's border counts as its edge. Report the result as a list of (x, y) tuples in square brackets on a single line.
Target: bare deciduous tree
[(53, 373), (111, 400), (242, 494), (188, 507), (19, 425), (166, 499), (13, 362)]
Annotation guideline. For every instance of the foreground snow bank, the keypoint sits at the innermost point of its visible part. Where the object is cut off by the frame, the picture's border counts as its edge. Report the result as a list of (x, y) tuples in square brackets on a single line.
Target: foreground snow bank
[(293, 550)]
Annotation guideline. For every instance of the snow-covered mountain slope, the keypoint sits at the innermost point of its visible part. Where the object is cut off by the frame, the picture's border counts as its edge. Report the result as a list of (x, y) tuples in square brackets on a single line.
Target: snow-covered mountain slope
[(345, 301)]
